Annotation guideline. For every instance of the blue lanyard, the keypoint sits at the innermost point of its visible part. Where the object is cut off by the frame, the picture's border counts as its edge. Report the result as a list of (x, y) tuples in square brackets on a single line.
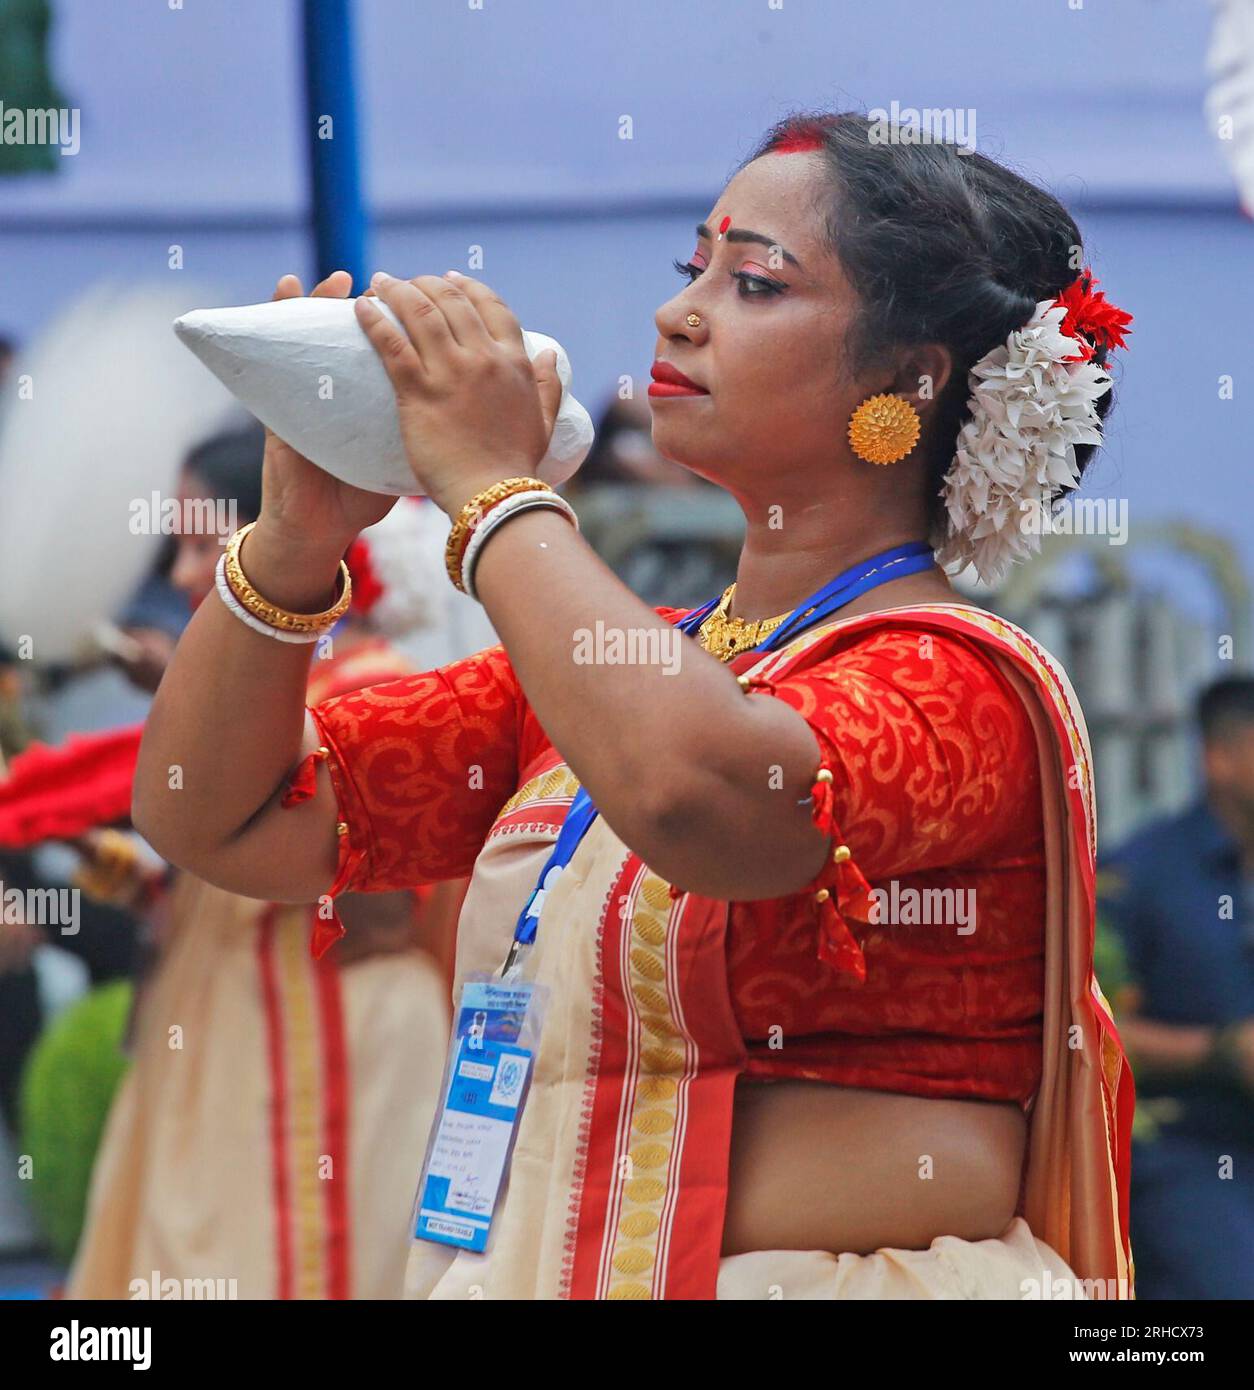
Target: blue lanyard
[(834, 595)]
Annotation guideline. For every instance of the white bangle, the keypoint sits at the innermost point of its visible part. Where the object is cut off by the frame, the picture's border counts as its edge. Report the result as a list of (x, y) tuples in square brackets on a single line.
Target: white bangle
[(519, 502), (248, 619)]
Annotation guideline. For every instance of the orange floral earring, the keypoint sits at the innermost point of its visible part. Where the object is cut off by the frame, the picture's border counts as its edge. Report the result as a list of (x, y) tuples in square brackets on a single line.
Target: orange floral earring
[(884, 429)]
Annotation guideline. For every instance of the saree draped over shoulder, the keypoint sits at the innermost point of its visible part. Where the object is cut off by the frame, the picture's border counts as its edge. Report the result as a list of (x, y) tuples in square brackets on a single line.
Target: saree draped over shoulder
[(270, 1127), (618, 1183)]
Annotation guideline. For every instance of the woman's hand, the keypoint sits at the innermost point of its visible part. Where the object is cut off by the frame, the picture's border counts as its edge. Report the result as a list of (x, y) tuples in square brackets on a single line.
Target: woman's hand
[(473, 408)]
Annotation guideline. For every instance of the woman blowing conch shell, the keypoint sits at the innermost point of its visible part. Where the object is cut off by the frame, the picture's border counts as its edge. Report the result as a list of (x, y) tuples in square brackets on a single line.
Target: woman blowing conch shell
[(747, 1083)]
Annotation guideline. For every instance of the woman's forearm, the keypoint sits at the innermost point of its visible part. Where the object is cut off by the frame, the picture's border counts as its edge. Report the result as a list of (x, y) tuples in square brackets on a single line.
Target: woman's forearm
[(591, 656), (678, 760), (675, 756), (226, 723)]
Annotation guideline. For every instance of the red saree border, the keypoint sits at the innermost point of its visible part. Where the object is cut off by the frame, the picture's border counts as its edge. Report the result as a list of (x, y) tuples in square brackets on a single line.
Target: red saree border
[(268, 968), (335, 1126), (540, 804), (307, 1065), (655, 1127)]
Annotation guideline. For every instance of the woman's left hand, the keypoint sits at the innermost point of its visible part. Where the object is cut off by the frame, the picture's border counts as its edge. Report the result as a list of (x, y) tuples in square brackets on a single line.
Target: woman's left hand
[(473, 408)]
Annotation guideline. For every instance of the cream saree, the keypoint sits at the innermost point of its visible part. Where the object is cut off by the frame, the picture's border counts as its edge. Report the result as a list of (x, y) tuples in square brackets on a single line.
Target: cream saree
[(266, 1140), (619, 1176)]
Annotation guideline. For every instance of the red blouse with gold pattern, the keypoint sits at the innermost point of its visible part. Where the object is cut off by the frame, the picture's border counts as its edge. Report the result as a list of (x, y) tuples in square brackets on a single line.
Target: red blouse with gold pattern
[(936, 792)]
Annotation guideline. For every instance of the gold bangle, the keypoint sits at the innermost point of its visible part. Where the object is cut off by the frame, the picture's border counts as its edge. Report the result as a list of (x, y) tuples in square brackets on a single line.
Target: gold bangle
[(473, 512), (270, 613)]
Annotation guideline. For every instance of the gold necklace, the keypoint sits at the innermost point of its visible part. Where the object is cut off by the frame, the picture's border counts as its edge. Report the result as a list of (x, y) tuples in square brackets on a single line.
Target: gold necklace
[(726, 637)]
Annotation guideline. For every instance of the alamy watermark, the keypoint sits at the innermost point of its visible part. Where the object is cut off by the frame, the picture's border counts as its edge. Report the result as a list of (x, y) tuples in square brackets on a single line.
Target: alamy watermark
[(41, 907), (49, 125), (1079, 516), (156, 515), (631, 646), (923, 907), (81, 1342), (170, 1288), (933, 125), (1067, 1287)]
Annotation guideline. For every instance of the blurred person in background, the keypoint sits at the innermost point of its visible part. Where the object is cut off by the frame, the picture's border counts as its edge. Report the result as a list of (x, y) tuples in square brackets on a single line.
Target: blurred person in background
[(272, 1123), (20, 1011), (152, 622), (46, 967), (50, 973), (1180, 894)]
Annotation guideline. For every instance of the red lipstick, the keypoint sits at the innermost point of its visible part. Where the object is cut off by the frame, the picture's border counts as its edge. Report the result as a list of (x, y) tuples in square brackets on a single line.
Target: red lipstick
[(670, 381)]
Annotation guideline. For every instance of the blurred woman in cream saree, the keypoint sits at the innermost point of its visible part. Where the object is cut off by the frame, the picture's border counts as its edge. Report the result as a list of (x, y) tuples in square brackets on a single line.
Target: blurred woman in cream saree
[(266, 1140)]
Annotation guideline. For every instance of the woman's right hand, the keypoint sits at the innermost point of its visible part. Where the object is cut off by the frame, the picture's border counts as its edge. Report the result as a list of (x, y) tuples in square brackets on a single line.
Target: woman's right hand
[(311, 511)]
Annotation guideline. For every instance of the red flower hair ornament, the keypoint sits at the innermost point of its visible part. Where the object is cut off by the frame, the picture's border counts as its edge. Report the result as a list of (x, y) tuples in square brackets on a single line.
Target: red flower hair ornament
[(1090, 313)]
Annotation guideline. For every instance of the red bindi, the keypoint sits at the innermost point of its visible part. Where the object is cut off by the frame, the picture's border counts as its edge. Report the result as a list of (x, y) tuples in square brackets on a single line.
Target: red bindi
[(723, 226)]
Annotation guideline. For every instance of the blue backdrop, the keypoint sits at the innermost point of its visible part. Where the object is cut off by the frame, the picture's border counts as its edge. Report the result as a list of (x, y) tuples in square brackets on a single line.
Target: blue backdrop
[(498, 126)]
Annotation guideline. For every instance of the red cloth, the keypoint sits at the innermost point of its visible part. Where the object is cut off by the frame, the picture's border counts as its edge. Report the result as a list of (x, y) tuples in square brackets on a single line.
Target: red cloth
[(935, 786), (369, 662), (64, 791)]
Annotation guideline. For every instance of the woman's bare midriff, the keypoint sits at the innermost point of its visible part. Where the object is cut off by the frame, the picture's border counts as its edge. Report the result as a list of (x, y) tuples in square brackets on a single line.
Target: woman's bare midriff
[(818, 1167)]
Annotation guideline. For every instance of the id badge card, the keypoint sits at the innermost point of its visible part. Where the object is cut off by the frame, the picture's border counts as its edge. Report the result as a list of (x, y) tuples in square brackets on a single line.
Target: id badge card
[(495, 1034)]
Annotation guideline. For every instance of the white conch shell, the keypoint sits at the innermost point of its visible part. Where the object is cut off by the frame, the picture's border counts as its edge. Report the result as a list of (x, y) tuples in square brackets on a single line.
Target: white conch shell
[(307, 371)]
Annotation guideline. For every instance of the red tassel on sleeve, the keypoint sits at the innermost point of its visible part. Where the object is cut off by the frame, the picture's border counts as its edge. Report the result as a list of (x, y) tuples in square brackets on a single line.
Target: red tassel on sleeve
[(327, 931), (837, 946), (304, 781), (839, 887), (823, 809)]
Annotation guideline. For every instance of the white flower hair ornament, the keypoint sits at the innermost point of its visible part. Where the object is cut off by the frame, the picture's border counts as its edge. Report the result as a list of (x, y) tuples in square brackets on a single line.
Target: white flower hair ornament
[(1033, 399)]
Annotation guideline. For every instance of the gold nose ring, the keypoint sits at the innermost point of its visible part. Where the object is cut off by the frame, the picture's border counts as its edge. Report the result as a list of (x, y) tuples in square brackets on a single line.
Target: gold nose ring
[(694, 320)]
